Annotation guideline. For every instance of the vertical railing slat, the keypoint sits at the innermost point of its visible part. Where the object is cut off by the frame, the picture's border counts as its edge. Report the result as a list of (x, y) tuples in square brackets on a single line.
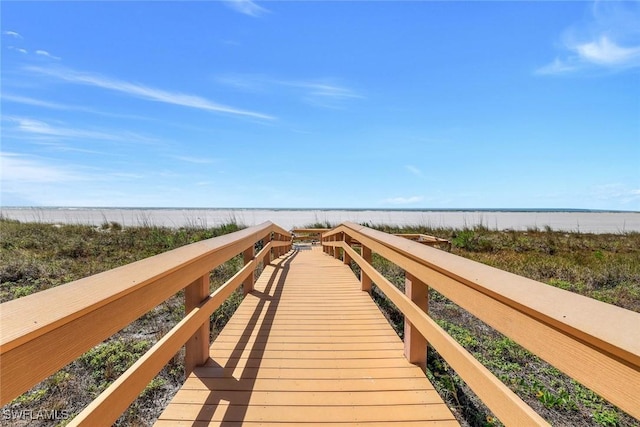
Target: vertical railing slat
[(197, 347), (248, 256), (365, 280), (415, 345)]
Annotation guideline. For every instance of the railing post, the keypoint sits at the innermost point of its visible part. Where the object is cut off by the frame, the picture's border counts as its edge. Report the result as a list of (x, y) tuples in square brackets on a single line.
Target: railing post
[(365, 280), (345, 256), (280, 248), (336, 250), (267, 258), (415, 345), (248, 255), (197, 347)]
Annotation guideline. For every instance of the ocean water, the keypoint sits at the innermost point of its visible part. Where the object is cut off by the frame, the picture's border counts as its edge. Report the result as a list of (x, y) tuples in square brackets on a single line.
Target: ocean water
[(566, 220)]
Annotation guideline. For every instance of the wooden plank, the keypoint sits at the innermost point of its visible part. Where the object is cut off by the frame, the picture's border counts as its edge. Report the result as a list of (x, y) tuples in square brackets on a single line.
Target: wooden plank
[(305, 373), (189, 423), (322, 337), (302, 414), (311, 346), (298, 398), (310, 363), (309, 354)]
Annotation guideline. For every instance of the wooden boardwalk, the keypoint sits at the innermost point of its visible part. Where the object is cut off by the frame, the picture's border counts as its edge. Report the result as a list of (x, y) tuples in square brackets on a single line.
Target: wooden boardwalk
[(307, 347)]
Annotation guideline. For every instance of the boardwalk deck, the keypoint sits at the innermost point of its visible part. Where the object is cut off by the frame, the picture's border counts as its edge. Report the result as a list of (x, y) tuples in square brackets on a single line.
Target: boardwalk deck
[(307, 347)]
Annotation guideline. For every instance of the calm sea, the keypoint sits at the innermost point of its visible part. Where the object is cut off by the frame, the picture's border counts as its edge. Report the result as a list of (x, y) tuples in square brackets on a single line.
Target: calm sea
[(516, 219)]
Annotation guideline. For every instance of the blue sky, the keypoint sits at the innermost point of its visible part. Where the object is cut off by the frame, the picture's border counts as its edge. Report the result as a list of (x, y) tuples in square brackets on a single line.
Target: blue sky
[(321, 104)]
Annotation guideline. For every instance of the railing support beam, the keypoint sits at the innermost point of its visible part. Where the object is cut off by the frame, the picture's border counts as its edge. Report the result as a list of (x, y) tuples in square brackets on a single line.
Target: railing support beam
[(248, 256), (415, 345), (197, 347), (345, 256), (336, 250), (365, 280), (267, 258)]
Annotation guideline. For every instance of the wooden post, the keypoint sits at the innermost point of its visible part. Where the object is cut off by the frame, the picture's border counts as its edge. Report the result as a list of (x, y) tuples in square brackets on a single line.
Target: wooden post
[(267, 258), (364, 279), (248, 255), (345, 256), (415, 345), (279, 239), (197, 347), (336, 250)]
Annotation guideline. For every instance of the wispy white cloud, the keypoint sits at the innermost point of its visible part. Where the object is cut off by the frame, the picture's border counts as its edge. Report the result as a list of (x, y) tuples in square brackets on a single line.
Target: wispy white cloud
[(320, 92), (602, 52), (28, 169), (619, 192), (144, 92), (38, 127), (12, 34), (195, 160), (403, 200), (65, 107), (18, 49), (246, 7), (322, 89), (605, 52), (609, 40), (414, 170), (46, 54)]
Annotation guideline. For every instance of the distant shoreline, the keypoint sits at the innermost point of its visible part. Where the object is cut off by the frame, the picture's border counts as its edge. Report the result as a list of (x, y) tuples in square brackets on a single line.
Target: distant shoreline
[(577, 220), (185, 208)]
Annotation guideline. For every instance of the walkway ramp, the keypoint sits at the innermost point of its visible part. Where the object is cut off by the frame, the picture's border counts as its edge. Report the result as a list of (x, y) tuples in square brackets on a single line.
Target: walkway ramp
[(307, 347)]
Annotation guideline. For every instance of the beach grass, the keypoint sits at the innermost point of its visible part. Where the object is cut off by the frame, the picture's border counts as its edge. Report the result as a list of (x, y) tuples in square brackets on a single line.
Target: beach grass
[(605, 267), (37, 256)]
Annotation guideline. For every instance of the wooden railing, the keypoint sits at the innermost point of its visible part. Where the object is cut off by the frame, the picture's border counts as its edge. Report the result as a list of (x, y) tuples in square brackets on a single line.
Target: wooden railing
[(597, 344), (308, 234), (43, 332)]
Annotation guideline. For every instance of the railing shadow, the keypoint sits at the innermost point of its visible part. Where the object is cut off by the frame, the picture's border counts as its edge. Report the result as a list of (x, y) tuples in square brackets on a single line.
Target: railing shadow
[(239, 401)]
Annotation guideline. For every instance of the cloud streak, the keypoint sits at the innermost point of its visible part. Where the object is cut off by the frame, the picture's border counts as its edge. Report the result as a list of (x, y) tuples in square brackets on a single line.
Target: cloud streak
[(319, 92), (403, 200), (13, 34), (414, 170), (144, 92), (46, 54), (609, 40), (246, 7), (65, 107), (17, 168), (38, 127), (194, 160)]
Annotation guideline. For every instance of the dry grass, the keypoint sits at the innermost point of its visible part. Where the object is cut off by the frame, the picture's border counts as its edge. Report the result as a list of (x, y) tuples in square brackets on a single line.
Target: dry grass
[(601, 266), (37, 256)]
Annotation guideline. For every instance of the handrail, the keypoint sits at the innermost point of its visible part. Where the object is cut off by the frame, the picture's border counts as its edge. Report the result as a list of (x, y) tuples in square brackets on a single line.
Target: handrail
[(571, 332), (43, 332)]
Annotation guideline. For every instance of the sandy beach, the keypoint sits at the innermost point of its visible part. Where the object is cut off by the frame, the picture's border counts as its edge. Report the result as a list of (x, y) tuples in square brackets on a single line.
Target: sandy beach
[(582, 221)]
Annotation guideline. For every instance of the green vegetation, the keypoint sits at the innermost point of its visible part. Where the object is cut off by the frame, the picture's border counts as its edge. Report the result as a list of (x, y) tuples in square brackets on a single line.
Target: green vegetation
[(37, 256), (601, 266)]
